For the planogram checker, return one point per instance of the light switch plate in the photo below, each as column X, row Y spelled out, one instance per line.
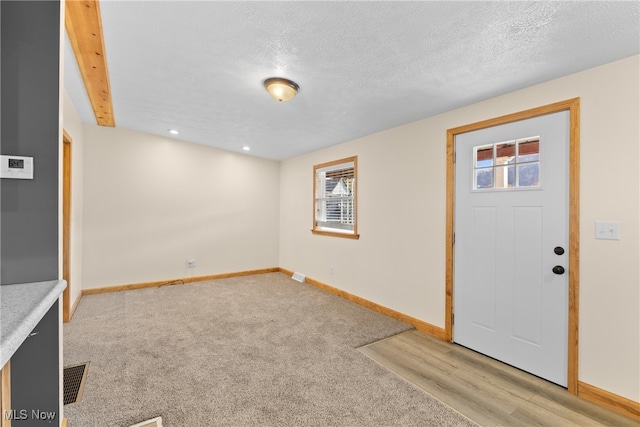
column 608, row 230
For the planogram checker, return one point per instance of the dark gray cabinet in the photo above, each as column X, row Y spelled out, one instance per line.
column 35, row 371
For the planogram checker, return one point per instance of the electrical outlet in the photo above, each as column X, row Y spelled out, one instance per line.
column 331, row 270
column 191, row 262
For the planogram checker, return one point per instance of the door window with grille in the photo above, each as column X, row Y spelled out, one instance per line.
column 507, row 165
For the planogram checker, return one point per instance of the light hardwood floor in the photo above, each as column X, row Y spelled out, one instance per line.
column 487, row 391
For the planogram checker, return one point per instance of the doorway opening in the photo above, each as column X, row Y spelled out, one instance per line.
column 66, row 225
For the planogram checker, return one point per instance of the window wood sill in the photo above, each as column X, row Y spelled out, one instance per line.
column 335, row 234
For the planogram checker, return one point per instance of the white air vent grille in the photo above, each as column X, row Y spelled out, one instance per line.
column 156, row 422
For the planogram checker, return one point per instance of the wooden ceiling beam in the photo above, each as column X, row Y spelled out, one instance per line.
column 84, row 28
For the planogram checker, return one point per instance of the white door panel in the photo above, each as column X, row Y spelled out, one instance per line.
column 508, row 303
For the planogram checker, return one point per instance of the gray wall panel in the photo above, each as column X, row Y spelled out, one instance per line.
column 30, row 36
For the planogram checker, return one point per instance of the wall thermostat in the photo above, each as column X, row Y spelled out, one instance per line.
column 16, row 167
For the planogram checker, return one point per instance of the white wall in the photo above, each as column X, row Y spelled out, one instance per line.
column 399, row 261
column 73, row 125
column 151, row 202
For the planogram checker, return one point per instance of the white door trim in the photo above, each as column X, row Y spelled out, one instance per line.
column 573, row 106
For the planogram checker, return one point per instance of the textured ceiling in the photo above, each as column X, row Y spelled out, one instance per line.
column 362, row 67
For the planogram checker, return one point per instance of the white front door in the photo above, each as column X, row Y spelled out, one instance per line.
column 511, row 243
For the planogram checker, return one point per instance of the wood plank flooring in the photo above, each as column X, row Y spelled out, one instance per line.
column 487, row 391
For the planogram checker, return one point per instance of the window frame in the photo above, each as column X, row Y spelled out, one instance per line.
column 348, row 234
column 517, row 165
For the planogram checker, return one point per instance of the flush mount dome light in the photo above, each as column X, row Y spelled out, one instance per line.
column 281, row 89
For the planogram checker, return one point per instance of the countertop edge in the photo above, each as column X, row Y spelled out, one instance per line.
column 16, row 337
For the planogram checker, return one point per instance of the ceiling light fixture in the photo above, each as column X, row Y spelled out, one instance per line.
column 281, row 89
column 246, row 148
column 173, row 132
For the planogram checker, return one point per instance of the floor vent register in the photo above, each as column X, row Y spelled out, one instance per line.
column 74, row 379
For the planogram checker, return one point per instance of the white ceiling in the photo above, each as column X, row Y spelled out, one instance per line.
column 362, row 67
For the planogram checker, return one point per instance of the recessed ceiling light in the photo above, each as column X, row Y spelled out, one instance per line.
column 246, row 148
column 173, row 132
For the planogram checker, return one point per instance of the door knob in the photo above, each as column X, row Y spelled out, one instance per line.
column 558, row 269
column 558, row 250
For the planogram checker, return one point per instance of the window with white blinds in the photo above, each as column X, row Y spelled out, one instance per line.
column 335, row 198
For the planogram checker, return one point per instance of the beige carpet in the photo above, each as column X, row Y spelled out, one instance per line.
column 258, row 350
